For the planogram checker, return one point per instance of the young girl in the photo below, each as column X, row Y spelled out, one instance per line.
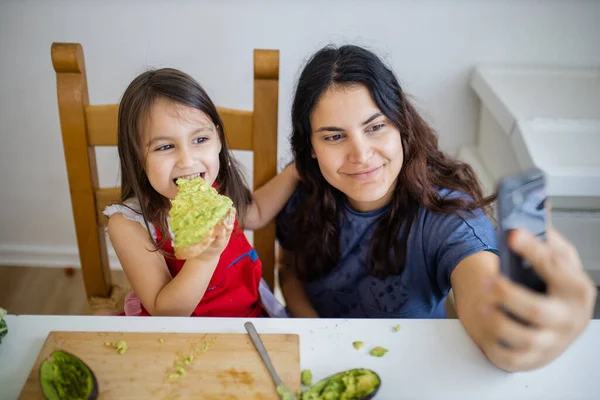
column 168, row 129
column 384, row 223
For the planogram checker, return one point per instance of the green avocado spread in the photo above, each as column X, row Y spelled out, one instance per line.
column 196, row 209
column 347, row 385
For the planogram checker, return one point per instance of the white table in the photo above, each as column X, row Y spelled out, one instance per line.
column 427, row 359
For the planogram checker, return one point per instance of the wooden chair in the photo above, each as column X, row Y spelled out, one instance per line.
column 86, row 126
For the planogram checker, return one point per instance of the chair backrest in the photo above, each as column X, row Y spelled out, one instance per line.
column 86, row 126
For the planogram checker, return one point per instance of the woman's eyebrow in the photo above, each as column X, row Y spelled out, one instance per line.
column 372, row 117
column 329, row 129
column 336, row 129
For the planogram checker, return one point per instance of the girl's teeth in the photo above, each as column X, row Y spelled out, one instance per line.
column 192, row 176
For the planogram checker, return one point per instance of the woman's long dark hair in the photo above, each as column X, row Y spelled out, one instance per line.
column 316, row 223
column 134, row 109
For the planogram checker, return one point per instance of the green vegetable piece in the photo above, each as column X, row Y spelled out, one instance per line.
column 161, row 340
column 65, row 377
column 378, row 351
column 396, row 328
column 306, row 377
column 358, row 345
column 181, row 371
column 3, row 326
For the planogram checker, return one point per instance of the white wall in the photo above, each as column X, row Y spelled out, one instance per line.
column 432, row 46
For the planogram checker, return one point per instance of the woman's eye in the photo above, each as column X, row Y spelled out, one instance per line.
column 375, row 128
column 333, row 138
column 165, row 147
column 200, row 139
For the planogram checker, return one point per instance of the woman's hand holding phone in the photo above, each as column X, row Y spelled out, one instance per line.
column 552, row 320
column 543, row 300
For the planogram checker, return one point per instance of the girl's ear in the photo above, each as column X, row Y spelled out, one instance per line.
column 312, row 153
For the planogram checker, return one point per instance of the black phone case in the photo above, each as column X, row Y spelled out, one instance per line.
column 516, row 194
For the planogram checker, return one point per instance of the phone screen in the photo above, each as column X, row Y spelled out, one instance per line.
column 521, row 204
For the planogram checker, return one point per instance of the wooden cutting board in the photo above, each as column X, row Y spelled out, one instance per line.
column 229, row 368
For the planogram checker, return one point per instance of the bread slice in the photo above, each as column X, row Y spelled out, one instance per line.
column 198, row 215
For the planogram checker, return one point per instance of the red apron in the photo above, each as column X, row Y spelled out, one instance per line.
column 233, row 288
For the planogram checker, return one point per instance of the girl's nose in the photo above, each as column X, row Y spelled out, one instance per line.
column 185, row 158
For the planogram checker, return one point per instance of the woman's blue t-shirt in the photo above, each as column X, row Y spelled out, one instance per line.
column 436, row 244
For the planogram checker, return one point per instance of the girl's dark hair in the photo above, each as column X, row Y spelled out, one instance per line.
column 316, row 223
column 134, row 110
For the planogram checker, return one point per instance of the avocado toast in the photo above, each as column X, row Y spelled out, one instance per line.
column 198, row 215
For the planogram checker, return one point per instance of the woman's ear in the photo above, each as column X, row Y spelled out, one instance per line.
column 312, row 153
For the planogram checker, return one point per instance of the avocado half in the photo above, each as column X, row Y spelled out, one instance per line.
column 353, row 384
column 65, row 377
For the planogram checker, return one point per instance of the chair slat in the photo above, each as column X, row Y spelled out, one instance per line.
column 101, row 122
column 238, row 128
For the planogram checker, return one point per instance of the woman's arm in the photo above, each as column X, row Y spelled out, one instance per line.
column 296, row 300
column 553, row 321
column 149, row 275
column 269, row 199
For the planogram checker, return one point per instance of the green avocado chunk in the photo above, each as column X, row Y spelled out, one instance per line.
column 65, row 377
column 378, row 351
column 306, row 377
column 348, row 385
column 196, row 209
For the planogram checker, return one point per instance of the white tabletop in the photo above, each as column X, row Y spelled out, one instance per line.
column 427, row 359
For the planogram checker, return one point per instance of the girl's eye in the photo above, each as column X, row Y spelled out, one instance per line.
column 375, row 128
column 200, row 139
column 333, row 138
column 165, row 147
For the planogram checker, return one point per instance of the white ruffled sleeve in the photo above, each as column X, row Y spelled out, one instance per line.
column 130, row 210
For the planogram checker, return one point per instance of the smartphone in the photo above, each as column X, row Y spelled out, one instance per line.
column 521, row 204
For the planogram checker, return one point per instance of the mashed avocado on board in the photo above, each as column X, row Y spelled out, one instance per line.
column 197, row 215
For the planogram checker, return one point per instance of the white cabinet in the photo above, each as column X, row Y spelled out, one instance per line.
column 548, row 118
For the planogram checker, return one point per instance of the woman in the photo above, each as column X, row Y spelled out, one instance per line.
column 385, row 224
